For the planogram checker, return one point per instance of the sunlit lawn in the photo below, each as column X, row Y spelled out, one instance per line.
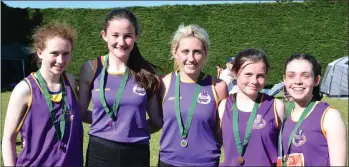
column 339, row 104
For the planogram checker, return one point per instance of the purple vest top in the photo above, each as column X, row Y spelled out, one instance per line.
column 309, row 138
column 262, row 147
column 130, row 123
column 39, row 134
column 203, row 148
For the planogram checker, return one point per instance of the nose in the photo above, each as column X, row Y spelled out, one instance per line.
column 59, row 59
column 253, row 80
column 298, row 80
column 190, row 57
column 121, row 41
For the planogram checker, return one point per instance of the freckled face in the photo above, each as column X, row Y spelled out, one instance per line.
column 56, row 55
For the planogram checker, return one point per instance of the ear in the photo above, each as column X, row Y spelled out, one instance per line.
column 174, row 53
column 317, row 80
column 39, row 53
column 104, row 35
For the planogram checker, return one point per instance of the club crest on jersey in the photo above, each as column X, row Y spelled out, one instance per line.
column 258, row 122
column 139, row 90
column 204, row 97
column 299, row 138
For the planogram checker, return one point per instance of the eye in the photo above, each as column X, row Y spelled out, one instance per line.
column 65, row 54
column 306, row 76
column 185, row 51
column 54, row 53
column 116, row 35
column 248, row 74
column 260, row 76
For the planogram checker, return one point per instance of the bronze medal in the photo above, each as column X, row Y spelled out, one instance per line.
column 184, row 143
column 241, row 160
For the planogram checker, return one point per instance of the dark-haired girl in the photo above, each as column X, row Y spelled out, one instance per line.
column 122, row 85
column 314, row 133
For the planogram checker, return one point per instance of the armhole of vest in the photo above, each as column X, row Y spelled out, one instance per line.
column 73, row 89
column 214, row 91
column 224, row 104
column 168, row 87
column 28, row 106
column 277, row 120
column 95, row 65
column 322, row 121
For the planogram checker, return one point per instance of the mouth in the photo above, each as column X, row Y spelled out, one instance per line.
column 191, row 66
column 121, row 49
column 59, row 67
column 298, row 90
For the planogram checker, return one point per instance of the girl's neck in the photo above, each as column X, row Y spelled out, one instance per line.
column 242, row 97
column 116, row 64
column 49, row 77
column 189, row 77
column 300, row 105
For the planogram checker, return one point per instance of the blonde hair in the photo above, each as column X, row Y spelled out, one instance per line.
column 190, row 30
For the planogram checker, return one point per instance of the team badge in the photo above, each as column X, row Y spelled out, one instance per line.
column 299, row 139
column 204, row 97
column 258, row 122
column 139, row 90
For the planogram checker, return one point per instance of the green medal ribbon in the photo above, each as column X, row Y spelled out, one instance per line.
column 300, row 121
column 184, row 132
column 59, row 130
column 235, row 111
column 118, row 94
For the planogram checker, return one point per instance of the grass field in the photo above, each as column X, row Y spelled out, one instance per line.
column 339, row 104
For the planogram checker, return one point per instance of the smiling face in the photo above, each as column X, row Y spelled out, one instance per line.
column 190, row 55
column 56, row 55
column 299, row 79
column 120, row 36
column 251, row 77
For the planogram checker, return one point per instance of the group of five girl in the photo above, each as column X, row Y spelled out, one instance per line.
column 253, row 127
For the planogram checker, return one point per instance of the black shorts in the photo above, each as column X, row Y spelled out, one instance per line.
column 102, row 152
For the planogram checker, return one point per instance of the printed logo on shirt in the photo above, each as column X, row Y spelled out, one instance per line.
column 299, row 139
column 258, row 122
column 105, row 89
column 204, row 97
column 173, row 98
column 139, row 90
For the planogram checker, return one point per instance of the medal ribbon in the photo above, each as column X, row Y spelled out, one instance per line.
column 184, row 132
column 235, row 111
column 300, row 121
column 118, row 94
column 59, row 130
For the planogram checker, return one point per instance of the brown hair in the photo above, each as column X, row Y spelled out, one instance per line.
column 251, row 54
column 49, row 31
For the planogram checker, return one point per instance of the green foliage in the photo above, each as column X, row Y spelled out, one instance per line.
column 280, row 29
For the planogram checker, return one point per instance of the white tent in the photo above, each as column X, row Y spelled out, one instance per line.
column 335, row 80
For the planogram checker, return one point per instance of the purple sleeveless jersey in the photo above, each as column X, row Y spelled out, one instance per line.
column 262, row 147
column 130, row 123
column 39, row 134
column 203, row 148
column 309, row 138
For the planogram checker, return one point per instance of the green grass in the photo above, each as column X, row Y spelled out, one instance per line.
column 339, row 104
